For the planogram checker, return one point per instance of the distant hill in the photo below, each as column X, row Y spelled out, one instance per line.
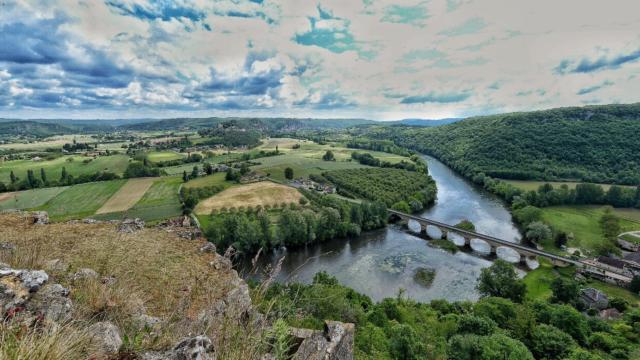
column 31, row 129
column 591, row 143
column 264, row 124
column 424, row 122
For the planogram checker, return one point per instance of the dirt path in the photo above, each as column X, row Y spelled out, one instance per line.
column 127, row 196
column 5, row 196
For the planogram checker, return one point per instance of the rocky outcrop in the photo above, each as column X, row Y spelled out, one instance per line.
column 194, row 348
column 26, row 296
column 84, row 274
column 130, row 225
column 334, row 343
column 40, row 217
column 105, row 336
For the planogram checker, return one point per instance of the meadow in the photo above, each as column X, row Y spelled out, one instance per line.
column 157, row 156
column 75, row 165
column 527, row 185
column 127, row 196
column 263, row 194
column 29, row 199
column 81, row 200
column 583, row 222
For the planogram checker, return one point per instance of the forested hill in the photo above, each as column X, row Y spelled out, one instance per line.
column 31, row 129
column 593, row 143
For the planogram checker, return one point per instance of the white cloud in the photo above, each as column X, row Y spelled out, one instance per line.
column 461, row 47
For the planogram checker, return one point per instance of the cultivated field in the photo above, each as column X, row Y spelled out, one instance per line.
column 159, row 202
column 28, row 199
column 81, row 200
column 583, row 222
column 534, row 185
column 157, row 156
column 263, row 193
column 53, row 168
column 210, row 180
column 127, row 196
column 51, row 142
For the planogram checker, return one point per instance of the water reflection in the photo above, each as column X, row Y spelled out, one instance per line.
column 382, row 262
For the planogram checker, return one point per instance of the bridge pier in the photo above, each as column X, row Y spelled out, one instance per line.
column 467, row 242
column 423, row 228
column 494, row 250
column 445, row 234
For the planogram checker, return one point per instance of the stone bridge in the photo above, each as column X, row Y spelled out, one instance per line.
column 525, row 252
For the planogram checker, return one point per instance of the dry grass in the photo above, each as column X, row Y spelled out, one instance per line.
column 5, row 196
column 51, row 342
column 155, row 273
column 127, row 196
column 261, row 193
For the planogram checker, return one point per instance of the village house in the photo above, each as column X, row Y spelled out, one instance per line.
column 594, row 299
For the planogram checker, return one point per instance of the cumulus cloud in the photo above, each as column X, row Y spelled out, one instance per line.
column 381, row 59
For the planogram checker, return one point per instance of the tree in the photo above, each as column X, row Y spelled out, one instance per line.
column 405, row 343
column 14, row 178
column 466, row 225
column 402, row 206
column 527, row 215
column 549, row 342
column 328, row 156
column 3, row 187
column 208, row 168
column 537, row 232
column 288, row 173
column 501, row 280
column 64, row 175
column 195, row 172
column 565, row 291
column 244, row 169
column 43, row 175
column 185, row 177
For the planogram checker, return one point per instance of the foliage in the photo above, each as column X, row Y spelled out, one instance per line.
column 328, row 156
column 140, row 169
column 501, row 280
column 549, row 342
column 288, row 173
column 565, row 290
column 589, row 143
column 367, row 159
column 466, row 225
column 389, row 186
column 538, row 232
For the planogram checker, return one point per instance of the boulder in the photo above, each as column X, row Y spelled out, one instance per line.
column 84, row 274
column 40, row 217
column 234, row 306
column 334, row 343
column 131, row 225
column 51, row 303
column 194, row 348
column 105, row 336
column 56, row 265
column 7, row 246
column 208, row 247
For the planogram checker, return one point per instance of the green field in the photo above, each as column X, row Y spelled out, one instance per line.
column 75, row 167
column 538, row 283
column 55, row 142
column 160, row 202
column 527, row 185
column 583, row 222
column 81, row 200
column 157, row 156
column 29, row 199
column 210, row 180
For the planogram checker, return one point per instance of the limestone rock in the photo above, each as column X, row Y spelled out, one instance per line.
column 40, row 217
column 84, row 274
column 195, row 348
column 235, row 305
column 7, row 246
column 131, row 225
column 208, row 247
column 106, row 337
column 334, row 343
column 51, row 302
column 56, row 265
column 144, row 321
column 4, row 266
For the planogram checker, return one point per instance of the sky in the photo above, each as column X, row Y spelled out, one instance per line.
column 375, row 59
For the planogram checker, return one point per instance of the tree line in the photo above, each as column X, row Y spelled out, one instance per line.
column 317, row 219
column 403, row 190
column 503, row 324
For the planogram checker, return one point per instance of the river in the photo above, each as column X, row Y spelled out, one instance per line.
column 380, row 263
